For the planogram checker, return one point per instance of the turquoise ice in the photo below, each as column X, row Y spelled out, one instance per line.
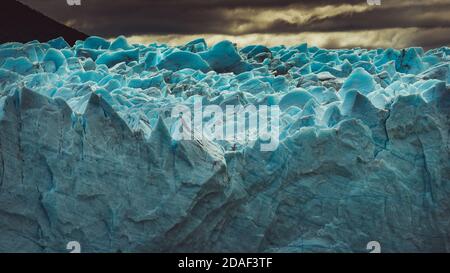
column 86, row 152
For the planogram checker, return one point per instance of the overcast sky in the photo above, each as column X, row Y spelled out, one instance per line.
column 324, row 23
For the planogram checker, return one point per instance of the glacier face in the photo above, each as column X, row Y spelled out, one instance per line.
column 87, row 155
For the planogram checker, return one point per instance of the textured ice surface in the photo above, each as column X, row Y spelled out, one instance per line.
column 86, row 154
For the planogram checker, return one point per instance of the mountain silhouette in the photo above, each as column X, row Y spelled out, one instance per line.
column 20, row 23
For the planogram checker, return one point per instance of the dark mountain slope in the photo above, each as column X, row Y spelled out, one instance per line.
column 20, row 23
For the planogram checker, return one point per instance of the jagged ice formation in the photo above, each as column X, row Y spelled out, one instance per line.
column 86, row 152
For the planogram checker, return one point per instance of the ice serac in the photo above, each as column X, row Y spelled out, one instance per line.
column 181, row 59
column 55, row 175
column 87, row 154
column 223, row 57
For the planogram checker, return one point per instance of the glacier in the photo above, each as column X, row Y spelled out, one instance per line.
column 87, row 154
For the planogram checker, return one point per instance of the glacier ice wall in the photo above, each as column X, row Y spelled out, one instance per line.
column 86, row 154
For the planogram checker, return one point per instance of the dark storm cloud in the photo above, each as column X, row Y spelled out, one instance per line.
column 380, row 18
column 432, row 38
column 110, row 18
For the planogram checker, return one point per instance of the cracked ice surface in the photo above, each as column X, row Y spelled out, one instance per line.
column 86, row 154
